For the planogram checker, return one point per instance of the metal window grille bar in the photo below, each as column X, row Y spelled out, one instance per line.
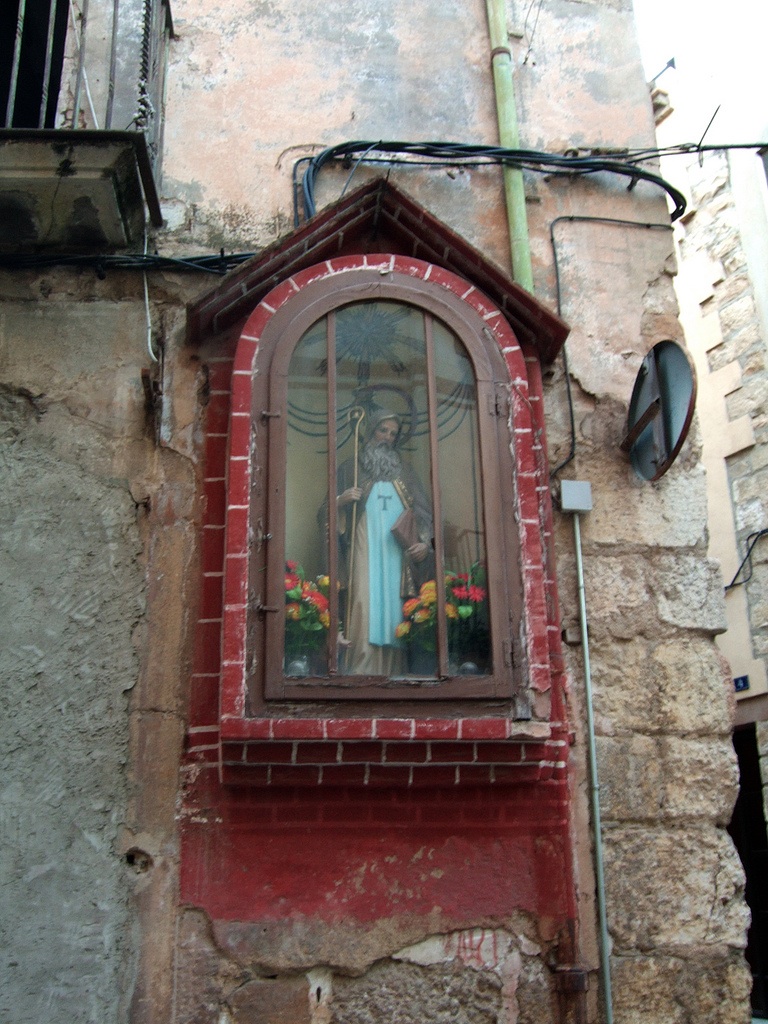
column 112, row 63
column 16, row 63
column 48, row 63
column 80, row 64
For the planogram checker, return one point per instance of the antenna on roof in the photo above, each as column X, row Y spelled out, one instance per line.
column 670, row 64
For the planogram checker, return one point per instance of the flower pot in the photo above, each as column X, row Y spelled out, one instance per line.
column 297, row 666
column 421, row 662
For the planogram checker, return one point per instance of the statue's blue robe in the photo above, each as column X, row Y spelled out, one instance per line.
column 385, row 563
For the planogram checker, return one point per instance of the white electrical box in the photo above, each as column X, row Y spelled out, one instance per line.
column 575, row 496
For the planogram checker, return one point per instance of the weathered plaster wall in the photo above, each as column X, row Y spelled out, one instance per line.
column 480, row 976
column 254, row 86
column 72, row 600
column 86, row 499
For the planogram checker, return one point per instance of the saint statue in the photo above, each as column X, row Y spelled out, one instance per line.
column 376, row 571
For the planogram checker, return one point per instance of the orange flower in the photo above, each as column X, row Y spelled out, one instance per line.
column 402, row 630
column 450, row 611
column 410, row 606
column 325, row 620
column 421, row 615
column 293, row 611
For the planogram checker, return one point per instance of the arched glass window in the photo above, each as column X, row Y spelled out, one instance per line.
column 385, row 550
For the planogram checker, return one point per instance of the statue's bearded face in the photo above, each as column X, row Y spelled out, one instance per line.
column 379, row 459
column 386, row 433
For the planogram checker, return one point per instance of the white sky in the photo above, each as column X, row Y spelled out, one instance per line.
column 719, row 49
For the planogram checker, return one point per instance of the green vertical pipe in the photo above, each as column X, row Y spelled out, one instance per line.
column 506, row 112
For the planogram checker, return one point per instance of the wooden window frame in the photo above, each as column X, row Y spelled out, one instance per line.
column 268, row 688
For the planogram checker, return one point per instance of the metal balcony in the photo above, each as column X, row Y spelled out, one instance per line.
column 81, row 100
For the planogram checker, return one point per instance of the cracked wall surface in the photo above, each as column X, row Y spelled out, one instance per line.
column 479, row 976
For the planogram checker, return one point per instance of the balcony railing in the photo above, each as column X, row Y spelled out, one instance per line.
column 93, row 64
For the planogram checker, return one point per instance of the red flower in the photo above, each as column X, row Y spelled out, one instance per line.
column 476, row 594
column 461, row 593
column 292, row 566
column 318, row 600
column 291, row 580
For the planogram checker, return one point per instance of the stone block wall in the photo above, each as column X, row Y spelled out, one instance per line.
column 736, row 352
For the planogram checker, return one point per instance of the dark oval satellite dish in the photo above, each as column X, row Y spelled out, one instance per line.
column 661, row 410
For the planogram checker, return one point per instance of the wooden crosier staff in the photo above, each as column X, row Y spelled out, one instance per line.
column 358, row 414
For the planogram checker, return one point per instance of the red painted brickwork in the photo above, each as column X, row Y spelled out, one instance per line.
column 324, row 819
column 220, row 641
column 410, row 763
column 318, row 821
column 300, row 852
column 249, row 750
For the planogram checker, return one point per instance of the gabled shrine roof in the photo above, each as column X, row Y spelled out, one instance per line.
column 376, row 218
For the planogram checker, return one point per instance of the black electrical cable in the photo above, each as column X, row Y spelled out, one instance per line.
column 619, row 162
column 449, row 154
column 297, row 187
column 752, row 539
column 218, row 263
column 623, row 162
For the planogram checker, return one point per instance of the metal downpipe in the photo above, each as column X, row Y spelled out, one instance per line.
column 506, row 113
column 522, row 271
column 594, row 788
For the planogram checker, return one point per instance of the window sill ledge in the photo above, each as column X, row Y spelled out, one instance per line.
column 405, row 752
column 466, row 729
